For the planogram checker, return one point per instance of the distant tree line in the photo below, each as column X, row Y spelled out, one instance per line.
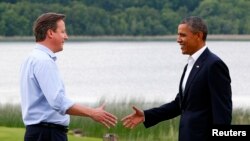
column 126, row 17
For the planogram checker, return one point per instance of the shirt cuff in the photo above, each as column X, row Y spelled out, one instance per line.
column 66, row 104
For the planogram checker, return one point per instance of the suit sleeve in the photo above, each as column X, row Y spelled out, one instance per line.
column 221, row 94
column 164, row 112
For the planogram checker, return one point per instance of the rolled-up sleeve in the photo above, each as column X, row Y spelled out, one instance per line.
column 52, row 86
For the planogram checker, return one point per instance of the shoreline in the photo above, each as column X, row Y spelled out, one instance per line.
column 129, row 38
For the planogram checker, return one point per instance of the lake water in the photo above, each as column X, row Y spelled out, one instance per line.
column 124, row 71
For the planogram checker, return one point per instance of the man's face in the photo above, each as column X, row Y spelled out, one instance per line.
column 187, row 40
column 59, row 36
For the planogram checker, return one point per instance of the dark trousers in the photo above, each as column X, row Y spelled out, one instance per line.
column 41, row 133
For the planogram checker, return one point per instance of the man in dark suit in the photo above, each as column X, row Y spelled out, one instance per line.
column 204, row 98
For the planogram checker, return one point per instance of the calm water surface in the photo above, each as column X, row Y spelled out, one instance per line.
column 124, row 71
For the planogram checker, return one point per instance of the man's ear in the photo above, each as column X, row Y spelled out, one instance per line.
column 50, row 33
column 200, row 35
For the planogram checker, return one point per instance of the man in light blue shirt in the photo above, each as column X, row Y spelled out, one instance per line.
column 45, row 107
column 42, row 89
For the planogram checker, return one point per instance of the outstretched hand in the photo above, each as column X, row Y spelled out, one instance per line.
column 105, row 118
column 133, row 119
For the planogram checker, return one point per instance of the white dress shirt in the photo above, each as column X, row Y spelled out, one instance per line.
column 191, row 60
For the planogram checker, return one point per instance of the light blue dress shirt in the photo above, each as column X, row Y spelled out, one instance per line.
column 42, row 90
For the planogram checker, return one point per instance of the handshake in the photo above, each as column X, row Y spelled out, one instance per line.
column 110, row 120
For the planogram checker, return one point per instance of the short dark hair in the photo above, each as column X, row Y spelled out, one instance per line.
column 196, row 25
column 45, row 22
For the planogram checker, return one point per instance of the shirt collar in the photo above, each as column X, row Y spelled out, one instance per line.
column 197, row 54
column 46, row 50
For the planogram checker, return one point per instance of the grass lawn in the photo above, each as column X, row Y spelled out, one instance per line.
column 16, row 134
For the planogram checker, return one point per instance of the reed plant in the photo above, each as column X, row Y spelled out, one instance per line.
column 168, row 130
column 10, row 116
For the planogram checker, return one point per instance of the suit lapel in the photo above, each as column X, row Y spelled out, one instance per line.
column 180, row 85
column 196, row 68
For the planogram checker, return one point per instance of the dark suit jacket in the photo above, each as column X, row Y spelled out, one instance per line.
column 207, row 100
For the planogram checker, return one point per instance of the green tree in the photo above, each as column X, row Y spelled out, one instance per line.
column 170, row 20
column 14, row 24
column 125, row 17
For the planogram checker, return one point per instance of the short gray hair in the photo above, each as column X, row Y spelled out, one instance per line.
column 196, row 25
